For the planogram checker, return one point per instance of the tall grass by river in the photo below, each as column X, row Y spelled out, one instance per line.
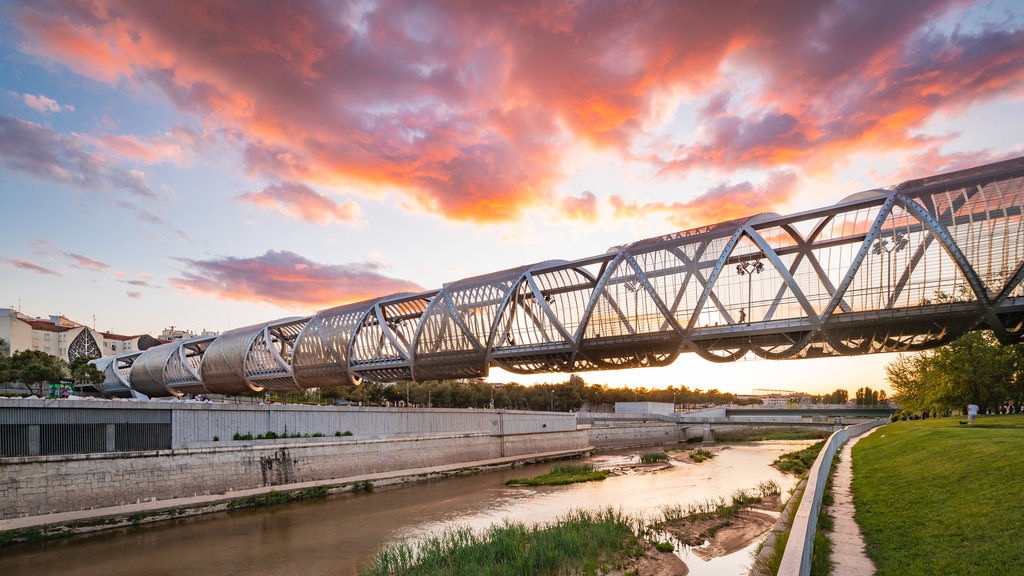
column 940, row 497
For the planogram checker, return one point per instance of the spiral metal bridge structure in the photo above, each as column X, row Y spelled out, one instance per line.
column 900, row 269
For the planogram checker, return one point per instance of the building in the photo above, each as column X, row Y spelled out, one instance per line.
column 61, row 337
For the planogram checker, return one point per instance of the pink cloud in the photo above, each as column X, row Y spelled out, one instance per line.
column 718, row 204
column 66, row 159
column 467, row 108
column 41, row 103
column 302, row 202
column 286, row 278
column 86, row 262
column 582, row 207
column 133, row 294
column 31, row 266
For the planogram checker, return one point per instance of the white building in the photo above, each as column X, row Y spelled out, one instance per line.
column 60, row 337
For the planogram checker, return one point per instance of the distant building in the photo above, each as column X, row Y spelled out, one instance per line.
column 61, row 337
column 172, row 333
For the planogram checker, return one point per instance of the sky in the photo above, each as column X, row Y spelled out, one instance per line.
column 216, row 164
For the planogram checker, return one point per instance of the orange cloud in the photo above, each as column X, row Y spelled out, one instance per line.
column 582, row 207
column 719, row 204
column 302, row 202
column 468, row 108
column 287, row 279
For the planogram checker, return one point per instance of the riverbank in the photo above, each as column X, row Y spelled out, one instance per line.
column 940, row 496
column 63, row 524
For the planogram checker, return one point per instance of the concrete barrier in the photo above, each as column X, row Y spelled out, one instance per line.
column 796, row 559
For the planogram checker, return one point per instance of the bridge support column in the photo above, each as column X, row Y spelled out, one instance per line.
column 709, row 435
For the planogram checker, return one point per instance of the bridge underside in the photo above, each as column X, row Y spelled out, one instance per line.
column 900, row 269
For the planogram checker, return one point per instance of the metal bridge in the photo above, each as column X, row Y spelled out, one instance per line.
column 900, row 269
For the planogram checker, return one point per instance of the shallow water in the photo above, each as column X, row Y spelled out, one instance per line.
column 337, row 535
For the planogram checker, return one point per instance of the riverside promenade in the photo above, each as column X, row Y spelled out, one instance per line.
column 848, row 552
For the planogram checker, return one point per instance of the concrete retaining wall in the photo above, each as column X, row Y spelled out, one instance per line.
column 623, row 435
column 46, row 484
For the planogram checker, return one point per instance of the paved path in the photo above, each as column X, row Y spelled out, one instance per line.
column 847, row 542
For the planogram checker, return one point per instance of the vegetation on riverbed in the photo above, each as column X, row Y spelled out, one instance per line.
column 579, row 543
column 586, row 542
column 799, row 462
column 652, row 457
column 562, row 474
column 773, row 434
column 940, row 497
column 274, row 497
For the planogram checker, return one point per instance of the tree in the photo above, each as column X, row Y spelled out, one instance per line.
column 975, row 368
column 34, row 368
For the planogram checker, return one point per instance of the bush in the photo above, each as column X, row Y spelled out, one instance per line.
column 652, row 457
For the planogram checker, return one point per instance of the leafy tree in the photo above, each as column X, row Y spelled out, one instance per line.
column 35, row 368
column 5, row 348
column 87, row 373
column 973, row 369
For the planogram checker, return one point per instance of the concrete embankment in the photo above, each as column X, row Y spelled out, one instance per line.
column 81, row 492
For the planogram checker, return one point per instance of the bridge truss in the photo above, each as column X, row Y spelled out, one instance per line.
column 902, row 269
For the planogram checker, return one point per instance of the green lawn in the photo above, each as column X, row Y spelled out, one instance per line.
column 938, row 497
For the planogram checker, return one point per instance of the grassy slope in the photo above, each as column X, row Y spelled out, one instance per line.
column 937, row 497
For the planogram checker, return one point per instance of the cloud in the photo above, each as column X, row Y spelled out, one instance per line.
column 300, row 201
column 471, row 109
column 718, row 204
column 133, row 294
column 29, row 148
column 288, row 279
column 43, row 104
column 582, row 207
column 31, row 266
column 86, row 262
column 148, row 217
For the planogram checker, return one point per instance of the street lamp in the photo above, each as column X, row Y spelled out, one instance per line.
column 634, row 287
column 748, row 268
column 885, row 246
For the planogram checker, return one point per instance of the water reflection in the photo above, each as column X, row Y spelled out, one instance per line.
column 338, row 535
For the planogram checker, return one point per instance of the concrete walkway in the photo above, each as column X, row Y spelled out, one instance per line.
column 847, row 542
column 92, row 519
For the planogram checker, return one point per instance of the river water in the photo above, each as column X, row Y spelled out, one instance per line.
column 338, row 535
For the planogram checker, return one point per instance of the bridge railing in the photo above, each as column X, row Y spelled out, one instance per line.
column 796, row 560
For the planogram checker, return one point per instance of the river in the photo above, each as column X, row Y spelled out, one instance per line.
column 337, row 535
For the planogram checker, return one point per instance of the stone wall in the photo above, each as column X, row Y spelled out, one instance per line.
column 46, row 484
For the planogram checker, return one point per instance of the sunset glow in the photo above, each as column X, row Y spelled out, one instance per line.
column 211, row 165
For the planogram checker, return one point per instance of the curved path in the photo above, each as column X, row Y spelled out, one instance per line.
column 848, row 554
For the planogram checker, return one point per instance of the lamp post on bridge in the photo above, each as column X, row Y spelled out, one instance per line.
column 748, row 268
column 886, row 246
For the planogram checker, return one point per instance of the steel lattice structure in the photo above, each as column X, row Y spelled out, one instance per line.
column 903, row 269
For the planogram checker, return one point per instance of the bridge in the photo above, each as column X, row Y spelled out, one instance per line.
column 904, row 268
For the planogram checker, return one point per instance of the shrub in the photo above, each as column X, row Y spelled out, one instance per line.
column 652, row 457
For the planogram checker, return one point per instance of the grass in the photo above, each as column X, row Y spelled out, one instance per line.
column 784, row 434
column 699, row 455
column 799, row 462
column 274, row 497
column 937, row 497
column 562, row 474
column 583, row 542
column 652, row 457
